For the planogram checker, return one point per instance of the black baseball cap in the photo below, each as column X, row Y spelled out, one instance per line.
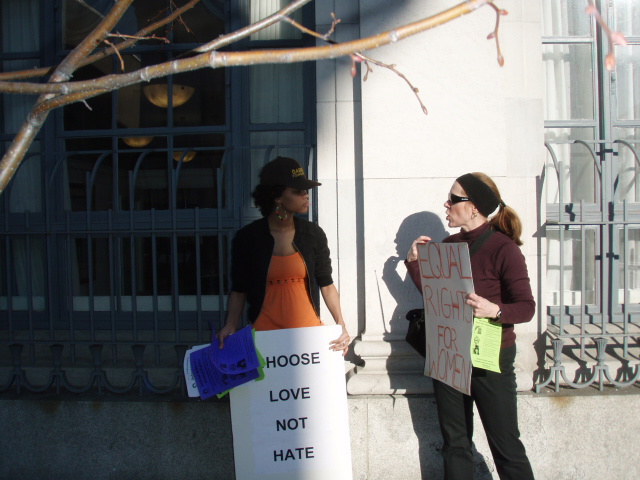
column 286, row 171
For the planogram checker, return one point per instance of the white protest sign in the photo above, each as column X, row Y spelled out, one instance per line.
column 445, row 269
column 294, row 423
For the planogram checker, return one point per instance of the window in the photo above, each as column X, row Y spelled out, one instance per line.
column 591, row 176
column 116, row 230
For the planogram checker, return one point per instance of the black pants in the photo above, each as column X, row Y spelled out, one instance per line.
column 495, row 397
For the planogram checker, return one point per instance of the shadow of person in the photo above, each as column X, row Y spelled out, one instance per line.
column 406, row 366
column 400, row 286
column 422, row 406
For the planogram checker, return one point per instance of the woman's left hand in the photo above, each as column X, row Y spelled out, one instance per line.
column 341, row 343
column 482, row 308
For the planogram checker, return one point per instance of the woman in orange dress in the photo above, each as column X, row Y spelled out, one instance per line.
column 281, row 261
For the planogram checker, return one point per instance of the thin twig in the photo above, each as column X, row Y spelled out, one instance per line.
column 117, row 53
column 357, row 57
column 36, row 118
column 137, row 38
column 415, row 90
column 41, row 72
column 245, row 32
column 173, row 4
column 313, row 33
column 335, row 22
column 612, row 36
column 494, row 34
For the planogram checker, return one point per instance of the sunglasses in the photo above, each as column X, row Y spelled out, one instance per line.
column 453, row 199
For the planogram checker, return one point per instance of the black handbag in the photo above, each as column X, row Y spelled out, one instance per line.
column 416, row 336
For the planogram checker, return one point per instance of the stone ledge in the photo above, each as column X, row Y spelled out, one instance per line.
column 388, row 384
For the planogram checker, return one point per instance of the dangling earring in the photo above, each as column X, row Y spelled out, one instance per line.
column 474, row 214
column 285, row 214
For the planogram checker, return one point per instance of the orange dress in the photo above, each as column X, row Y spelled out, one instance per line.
column 286, row 303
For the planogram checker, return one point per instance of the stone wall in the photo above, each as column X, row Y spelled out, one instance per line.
column 393, row 437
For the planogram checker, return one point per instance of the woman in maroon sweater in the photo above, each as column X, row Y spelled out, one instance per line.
column 502, row 293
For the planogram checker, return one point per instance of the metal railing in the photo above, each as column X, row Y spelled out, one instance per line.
column 594, row 320
column 103, row 304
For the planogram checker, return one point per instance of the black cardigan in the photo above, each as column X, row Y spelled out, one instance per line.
column 251, row 251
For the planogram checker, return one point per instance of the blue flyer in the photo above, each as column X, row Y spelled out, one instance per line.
column 216, row 371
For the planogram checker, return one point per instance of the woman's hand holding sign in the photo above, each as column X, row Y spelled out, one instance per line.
column 412, row 254
column 482, row 308
column 332, row 300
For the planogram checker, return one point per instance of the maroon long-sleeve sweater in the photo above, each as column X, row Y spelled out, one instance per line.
column 499, row 275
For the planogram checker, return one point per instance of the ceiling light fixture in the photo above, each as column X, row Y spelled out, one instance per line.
column 137, row 142
column 187, row 158
column 159, row 94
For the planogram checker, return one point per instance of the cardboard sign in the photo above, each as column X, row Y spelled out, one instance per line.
column 294, row 423
column 445, row 269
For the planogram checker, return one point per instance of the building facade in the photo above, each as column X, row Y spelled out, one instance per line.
column 113, row 251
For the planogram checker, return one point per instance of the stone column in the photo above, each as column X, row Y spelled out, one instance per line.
column 482, row 117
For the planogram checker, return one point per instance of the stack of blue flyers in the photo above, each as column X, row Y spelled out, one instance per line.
column 215, row 370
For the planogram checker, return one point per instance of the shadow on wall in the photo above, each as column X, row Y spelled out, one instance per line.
column 406, row 297
column 404, row 292
column 393, row 13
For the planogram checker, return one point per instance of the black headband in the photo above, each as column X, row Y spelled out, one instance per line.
column 480, row 194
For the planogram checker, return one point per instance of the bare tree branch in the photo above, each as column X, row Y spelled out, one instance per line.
column 215, row 59
column 494, row 34
column 117, row 53
column 36, row 88
column 233, row 37
column 133, row 37
column 392, row 67
column 36, row 119
column 80, row 91
column 612, row 36
column 358, row 57
column 313, row 33
column 132, row 40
